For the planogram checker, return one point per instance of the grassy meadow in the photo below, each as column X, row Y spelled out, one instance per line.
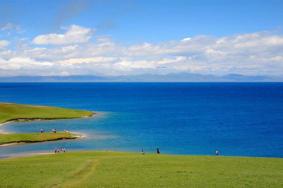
column 113, row 169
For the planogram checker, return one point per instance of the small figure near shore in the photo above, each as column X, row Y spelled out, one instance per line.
column 157, row 151
column 217, row 152
column 142, row 152
column 63, row 150
column 54, row 130
column 41, row 130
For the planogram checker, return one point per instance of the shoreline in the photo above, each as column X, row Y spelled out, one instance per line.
column 9, row 144
column 26, row 155
column 2, row 131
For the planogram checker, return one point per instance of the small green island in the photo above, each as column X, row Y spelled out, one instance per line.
column 10, row 112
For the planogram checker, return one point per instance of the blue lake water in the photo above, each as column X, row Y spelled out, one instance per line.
column 241, row 119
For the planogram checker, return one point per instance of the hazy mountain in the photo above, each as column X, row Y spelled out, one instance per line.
column 182, row 77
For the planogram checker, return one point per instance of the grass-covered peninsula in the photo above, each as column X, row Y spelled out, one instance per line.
column 127, row 170
column 19, row 112
column 34, row 137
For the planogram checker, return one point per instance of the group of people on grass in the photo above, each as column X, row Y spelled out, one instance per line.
column 52, row 130
column 157, row 151
column 60, row 150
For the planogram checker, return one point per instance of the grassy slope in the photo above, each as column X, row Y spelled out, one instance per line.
column 34, row 137
column 110, row 169
column 10, row 111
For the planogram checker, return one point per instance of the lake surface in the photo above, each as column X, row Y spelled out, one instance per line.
column 241, row 119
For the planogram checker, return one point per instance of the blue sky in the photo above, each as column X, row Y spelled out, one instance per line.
column 144, row 26
column 146, row 20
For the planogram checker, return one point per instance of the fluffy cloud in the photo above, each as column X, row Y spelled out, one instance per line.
column 74, row 34
column 250, row 54
column 23, row 66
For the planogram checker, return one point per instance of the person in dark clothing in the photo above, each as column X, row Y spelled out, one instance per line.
column 217, row 152
column 142, row 151
column 157, row 151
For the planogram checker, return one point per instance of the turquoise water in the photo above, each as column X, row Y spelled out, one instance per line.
column 242, row 119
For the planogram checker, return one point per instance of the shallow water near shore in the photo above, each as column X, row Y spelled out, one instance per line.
column 241, row 119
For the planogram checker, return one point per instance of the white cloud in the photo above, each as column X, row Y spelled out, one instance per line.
column 250, row 54
column 23, row 66
column 74, row 34
column 186, row 39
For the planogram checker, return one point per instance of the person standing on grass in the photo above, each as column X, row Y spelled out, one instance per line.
column 217, row 152
column 157, row 151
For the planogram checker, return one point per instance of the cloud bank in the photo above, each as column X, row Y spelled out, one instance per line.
column 78, row 51
column 74, row 34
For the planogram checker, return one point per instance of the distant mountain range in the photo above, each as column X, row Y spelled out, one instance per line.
column 181, row 77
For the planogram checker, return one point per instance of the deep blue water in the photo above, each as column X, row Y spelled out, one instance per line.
column 242, row 119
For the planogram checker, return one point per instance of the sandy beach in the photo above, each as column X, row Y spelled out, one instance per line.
column 1, row 126
column 27, row 155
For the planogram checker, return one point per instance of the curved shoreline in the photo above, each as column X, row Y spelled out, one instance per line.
column 15, row 120
column 1, row 131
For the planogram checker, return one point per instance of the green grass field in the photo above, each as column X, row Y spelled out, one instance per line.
column 11, row 111
column 133, row 170
column 34, row 137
